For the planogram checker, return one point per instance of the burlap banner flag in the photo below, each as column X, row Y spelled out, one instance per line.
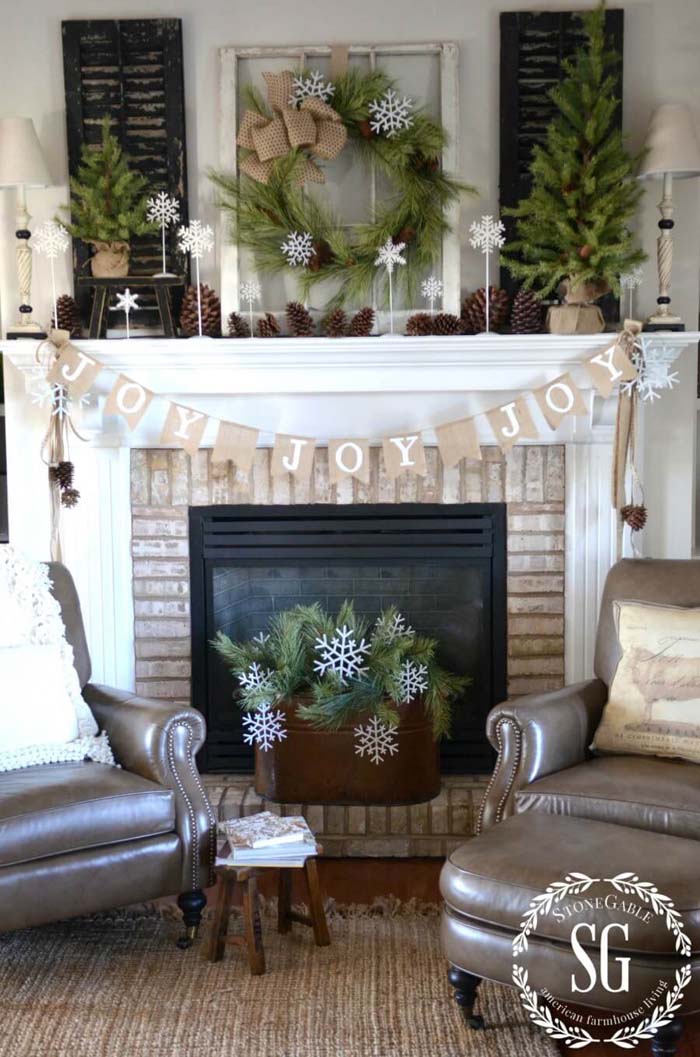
column 404, row 453
column 457, row 441
column 512, row 422
column 293, row 455
column 128, row 399
column 185, row 427
column 75, row 370
column 610, row 367
column 560, row 398
column 236, row 444
column 348, row 458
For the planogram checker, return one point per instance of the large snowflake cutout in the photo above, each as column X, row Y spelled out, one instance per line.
column 390, row 254
column 412, row 681
column 390, row 113
column 487, row 234
column 341, row 655
column 312, row 86
column 197, row 239
column 653, row 359
column 375, row 740
column 51, row 239
column 264, row 727
column 163, row 209
column 298, row 249
column 50, row 394
column 256, row 678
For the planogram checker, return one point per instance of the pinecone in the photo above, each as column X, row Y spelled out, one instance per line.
column 444, row 323
column 335, row 325
column 526, row 314
column 70, row 497
column 67, row 316
column 238, row 327
column 299, row 320
column 62, row 474
column 211, row 312
column 635, row 516
column 474, row 310
column 268, row 327
column 419, row 324
column 362, row 323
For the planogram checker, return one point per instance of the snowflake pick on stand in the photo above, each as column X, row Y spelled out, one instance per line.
column 125, row 303
column 165, row 211
column 265, row 726
column 412, row 681
column 389, row 255
column 653, row 359
column 196, row 239
column 390, row 114
column 311, row 86
column 251, row 292
column 298, row 249
column 431, row 290
column 342, row 655
column 52, row 239
column 376, row 740
column 630, row 281
column 487, row 235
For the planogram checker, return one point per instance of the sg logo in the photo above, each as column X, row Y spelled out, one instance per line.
column 594, row 973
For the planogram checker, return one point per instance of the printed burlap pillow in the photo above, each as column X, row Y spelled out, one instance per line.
column 654, row 703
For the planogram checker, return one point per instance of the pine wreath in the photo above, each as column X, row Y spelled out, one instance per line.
column 265, row 211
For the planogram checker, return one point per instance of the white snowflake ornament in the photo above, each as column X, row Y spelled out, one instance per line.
column 312, row 86
column 251, row 291
column 196, row 239
column 298, row 248
column 390, row 255
column 165, row 211
column 375, row 740
column 342, row 655
column 395, row 628
column 431, row 290
column 51, row 239
column 487, row 235
column 390, row 114
column 629, row 281
column 125, row 303
column 256, row 678
column 412, row 681
column 265, row 726
column 653, row 359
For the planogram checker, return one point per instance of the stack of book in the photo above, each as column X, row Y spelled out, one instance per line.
column 266, row 840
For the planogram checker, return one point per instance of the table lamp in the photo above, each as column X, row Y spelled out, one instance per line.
column 22, row 165
column 672, row 150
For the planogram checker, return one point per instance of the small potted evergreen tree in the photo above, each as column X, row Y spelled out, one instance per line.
column 108, row 205
column 573, row 228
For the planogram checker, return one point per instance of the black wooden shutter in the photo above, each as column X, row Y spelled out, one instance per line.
column 132, row 70
column 533, row 47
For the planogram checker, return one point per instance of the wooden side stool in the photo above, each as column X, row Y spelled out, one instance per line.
column 247, row 876
column 104, row 287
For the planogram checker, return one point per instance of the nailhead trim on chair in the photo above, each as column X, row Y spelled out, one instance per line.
column 210, row 813
column 191, row 811
column 511, row 778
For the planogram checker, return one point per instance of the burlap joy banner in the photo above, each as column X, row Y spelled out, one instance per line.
column 404, row 453
column 457, row 441
column 236, row 444
column 512, row 422
column 73, row 368
column 128, row 399
column 348, row 458
column 293, row 455
column 184, row 427
column 560, row 398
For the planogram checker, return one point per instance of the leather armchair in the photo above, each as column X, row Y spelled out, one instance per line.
column 76, row 838
column 551, row 807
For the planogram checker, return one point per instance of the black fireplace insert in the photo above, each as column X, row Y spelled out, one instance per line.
column 443, row 566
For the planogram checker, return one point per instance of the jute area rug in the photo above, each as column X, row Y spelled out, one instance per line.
column 116, row 986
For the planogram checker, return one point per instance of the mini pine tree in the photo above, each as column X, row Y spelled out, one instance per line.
column 108, row 200
column 574, row 225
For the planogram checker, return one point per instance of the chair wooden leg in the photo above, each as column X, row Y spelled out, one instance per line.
column 318, row 914
column 219, row 927
column 253, row 927
column 466, row 986
column 665, row 1042
column 284, row 901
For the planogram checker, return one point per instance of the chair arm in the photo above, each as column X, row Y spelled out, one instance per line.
column 538, row 735
column 158, row 741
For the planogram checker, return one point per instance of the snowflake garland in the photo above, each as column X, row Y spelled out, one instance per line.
column 265, row 726
column 375, row 740
column 312, row 86
column 256, row 678
column 298, row 249
column 342, row 655
column 412, row 681
column 390, row 113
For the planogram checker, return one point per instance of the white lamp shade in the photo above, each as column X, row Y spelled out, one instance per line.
column 21, row 158
column 672, row 143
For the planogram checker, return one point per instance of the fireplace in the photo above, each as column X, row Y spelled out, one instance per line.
column 444, row 567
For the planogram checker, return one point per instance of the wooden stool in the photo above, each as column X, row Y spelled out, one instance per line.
column 247, row 876
column 103, row 286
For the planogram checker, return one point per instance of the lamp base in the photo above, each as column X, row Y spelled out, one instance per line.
column 26, row 330
column 664, row 322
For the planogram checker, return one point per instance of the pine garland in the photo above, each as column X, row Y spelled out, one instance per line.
column 574, row 225
column 262, row 215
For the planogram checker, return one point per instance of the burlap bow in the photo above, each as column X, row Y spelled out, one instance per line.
column 624, row 444
column 314, row 126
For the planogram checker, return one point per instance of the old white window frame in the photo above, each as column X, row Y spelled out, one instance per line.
column 229, row 57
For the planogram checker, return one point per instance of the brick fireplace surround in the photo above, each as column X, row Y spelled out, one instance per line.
column 530, row 479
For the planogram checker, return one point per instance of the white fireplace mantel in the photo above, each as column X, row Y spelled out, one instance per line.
column 317, row 387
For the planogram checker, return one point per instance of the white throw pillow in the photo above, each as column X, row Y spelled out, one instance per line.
column 35, row 706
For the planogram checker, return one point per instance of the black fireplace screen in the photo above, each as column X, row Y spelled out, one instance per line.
column 444, row 567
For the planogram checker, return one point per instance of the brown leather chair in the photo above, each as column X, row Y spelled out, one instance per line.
column 76, row 838
column 552, row 808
